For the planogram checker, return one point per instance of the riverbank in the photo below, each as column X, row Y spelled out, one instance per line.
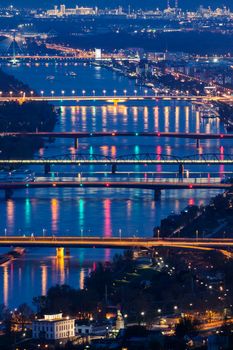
column 28, row 116
column 212, row 220
column 226, row 114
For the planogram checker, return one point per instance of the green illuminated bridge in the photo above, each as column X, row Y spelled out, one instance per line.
column 131, row 159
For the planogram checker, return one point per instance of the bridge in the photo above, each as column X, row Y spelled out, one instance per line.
column 131, row 159
column 47, row 58
column 83, row 134
column 114, row 242
column 111, row 98
column 148, row 184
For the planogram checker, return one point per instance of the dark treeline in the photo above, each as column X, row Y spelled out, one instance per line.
column 28, row 116
column 10, row 83
column 194, row 42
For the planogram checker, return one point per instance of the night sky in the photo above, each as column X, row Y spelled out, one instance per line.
column 192, row 4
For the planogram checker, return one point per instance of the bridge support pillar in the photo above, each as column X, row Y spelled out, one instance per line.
column 198, row 142
column 60, row 252
column 47, row 169
column 181, row 170
column 75, row 142
column 67, row 252
column 114, row 168
column 157, row 195
column 8, row 193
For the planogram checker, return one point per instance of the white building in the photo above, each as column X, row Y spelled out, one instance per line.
column 98, row 54
column 83, row 329
column 53, row 327
column 63, row 11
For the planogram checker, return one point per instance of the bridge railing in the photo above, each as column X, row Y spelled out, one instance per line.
column 145, row 179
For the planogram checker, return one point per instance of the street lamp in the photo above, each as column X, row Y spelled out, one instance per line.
column 83, row 92
column 11, row 93
column 52, row 93
column 73, row 92
column 62, row 92
column 104, row 92
column 125, row 92
column 135, row 92
column 145, row 92
column 93, row 91
column 31, row 92
column 114, row 91
column 42, row 93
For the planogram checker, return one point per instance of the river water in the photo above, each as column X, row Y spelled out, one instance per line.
column 104, row 212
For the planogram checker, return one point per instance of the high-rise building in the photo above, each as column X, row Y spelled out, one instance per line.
column 98, row 54
column 63, row 9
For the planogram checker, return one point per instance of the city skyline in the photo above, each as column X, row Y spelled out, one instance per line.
column 187, row 4
column 116, row 175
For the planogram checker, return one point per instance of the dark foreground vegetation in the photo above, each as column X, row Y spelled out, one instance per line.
column 214, row 219
column 28, row 116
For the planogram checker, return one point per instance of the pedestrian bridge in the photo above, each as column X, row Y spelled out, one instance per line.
column 143, row 183
column 114, row 242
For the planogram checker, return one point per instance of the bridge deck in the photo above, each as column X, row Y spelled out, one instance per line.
column 115, row 98
column 143, row 184
column 80, row 134
column 102, row 242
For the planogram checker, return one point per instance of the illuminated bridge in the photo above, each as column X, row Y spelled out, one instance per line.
column 155, row 185
column 114, row 242
column 83, row 134
column 131, row 159
column 113, row 98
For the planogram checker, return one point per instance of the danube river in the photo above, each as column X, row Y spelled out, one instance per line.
column 105, row 212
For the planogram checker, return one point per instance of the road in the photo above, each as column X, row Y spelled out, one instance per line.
column 114, row 98
column 82, row 134
column 113, row 242
column 142, row 184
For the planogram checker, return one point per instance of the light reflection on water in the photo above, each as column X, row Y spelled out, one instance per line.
column 104, row 212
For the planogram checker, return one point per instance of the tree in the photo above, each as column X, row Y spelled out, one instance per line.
column 25, row 314
column 186, row 326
